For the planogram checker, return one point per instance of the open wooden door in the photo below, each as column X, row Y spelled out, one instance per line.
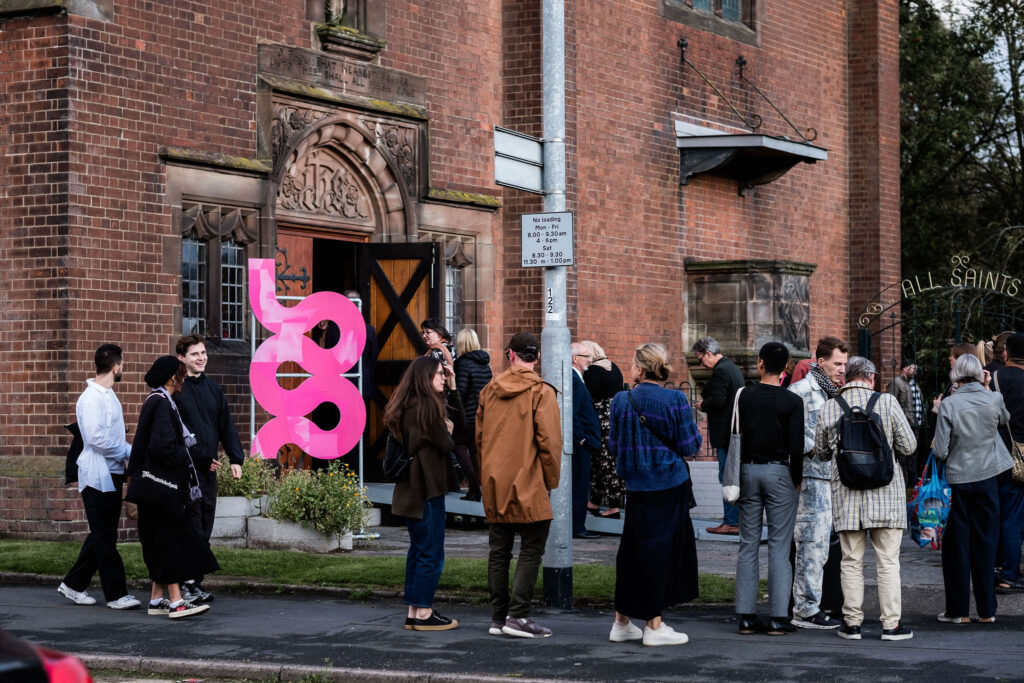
column 402, row 286
column 294, row 278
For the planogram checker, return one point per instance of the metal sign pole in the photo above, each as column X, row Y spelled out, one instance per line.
column 555, row 360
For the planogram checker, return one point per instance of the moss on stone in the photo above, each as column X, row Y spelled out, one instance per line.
column 213, row 159
column 459, row 197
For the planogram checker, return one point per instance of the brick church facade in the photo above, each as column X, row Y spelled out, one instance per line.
column 147, row 149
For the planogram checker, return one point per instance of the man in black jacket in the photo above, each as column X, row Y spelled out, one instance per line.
column 716, row 401
column 204, row 410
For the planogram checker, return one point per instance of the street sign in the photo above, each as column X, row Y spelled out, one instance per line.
column 547, row 240
column 518, row 160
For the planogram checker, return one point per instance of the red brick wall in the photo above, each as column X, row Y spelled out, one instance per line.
column 637, row 225
column 874, row 163
column 85, row 223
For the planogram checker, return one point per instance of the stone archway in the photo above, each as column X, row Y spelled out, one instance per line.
column 342, row 170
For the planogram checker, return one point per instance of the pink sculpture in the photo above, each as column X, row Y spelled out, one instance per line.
column 289, row 343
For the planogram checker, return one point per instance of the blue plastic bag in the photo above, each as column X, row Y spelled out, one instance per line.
column 928, row 507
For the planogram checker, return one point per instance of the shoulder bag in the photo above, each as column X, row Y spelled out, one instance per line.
column 1017, row 474
column 692, row 503
column 396, row 460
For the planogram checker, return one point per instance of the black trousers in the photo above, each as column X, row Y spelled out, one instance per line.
column 969, row 546
column 203, row 512
column 99, row 552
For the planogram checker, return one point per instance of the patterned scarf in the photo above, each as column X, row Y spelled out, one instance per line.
column 827, row 385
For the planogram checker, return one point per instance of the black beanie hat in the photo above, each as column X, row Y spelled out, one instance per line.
column 163, row 369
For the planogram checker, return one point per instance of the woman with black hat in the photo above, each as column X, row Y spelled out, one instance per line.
column 163, row 484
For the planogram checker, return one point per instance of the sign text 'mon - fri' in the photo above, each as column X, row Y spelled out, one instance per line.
column 547, row 239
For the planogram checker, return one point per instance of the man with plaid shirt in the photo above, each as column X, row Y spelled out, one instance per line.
column 882, row 511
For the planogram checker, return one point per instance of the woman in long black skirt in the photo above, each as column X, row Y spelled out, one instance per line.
column 652, row 430
column 163, row 476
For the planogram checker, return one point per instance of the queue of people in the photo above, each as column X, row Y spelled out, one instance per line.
column 631, row 444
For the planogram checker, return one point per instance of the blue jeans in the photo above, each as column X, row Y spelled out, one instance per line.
column 1011, row 528
column 425, row 560
column 730, row 512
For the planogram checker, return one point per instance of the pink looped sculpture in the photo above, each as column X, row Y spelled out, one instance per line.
column 326, row 385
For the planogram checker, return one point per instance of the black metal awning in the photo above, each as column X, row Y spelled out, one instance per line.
column 748, row 158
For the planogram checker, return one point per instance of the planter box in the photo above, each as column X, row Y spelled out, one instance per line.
column 230, row 525
column 276, row 534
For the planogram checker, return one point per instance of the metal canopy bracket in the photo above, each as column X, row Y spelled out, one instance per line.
column 748, row 158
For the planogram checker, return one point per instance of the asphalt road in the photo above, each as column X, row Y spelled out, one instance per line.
column 329, row 633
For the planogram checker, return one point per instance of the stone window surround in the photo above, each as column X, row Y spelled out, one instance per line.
column 189, row 186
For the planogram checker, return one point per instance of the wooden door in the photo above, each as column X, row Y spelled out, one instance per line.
column 402, row 286
column 294, row 262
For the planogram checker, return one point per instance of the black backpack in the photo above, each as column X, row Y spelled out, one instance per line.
column 865, row 457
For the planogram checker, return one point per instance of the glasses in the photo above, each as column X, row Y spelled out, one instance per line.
column 582, row 355
column 441, row 372
column 425, row 333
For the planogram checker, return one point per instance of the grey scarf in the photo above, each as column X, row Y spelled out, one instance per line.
column 827, row 385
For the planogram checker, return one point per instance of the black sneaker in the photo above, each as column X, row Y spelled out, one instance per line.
column 193, row 592
column 819, row 621
column 186, row 609
column 435, row 622
column 849, row 632
column 898, row 633
column 161, row 608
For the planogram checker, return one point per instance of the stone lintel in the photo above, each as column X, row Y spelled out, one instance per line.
column 695, row 267
column 481, row 201
column 316, row 92
column 195, row 157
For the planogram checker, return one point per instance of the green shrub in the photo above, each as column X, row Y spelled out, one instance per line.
column 257, row 473
column 329, row 501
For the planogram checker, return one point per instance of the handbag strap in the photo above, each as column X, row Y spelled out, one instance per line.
column 734, row 424
column 661, row 437
column 1013, row 441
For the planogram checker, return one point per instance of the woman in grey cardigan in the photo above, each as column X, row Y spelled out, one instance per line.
column 966, row 438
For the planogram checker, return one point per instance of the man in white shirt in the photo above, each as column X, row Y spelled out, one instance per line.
column 100, row 480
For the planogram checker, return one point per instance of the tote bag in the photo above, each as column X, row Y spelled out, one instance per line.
column 731, row 475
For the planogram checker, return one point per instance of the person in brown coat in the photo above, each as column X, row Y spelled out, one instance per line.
column 519, row 439
column 416, row 415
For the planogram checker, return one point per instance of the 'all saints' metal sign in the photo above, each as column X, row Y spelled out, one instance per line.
column 963, row 275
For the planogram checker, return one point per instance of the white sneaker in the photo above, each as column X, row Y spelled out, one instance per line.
column 77, row 597
column 623, row 632
column 124, row 602
column 664, row 636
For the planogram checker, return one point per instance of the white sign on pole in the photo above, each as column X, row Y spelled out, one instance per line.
column 547, row 240
column 518, row 160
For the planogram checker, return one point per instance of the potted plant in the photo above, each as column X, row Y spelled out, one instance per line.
column 314, row 510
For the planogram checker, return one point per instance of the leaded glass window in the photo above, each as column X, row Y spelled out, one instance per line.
column 232, row 290
column 731, row 10
column 193, row 285
column 453, row 299
column 216, row 242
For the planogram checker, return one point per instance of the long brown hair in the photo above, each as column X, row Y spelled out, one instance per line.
column 416, row 392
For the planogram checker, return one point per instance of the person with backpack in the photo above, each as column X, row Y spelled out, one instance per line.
column 967, row 438
column 861, row 431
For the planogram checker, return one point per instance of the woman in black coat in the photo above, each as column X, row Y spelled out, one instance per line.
column 472, row 373
column 416, row 415
column 162, row 479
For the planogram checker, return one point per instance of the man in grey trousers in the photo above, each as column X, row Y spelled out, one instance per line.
column 771, row 470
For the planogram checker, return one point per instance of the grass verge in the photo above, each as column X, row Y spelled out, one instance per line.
column 463, row 577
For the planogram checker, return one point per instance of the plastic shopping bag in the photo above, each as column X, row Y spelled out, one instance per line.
column 928, row 507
